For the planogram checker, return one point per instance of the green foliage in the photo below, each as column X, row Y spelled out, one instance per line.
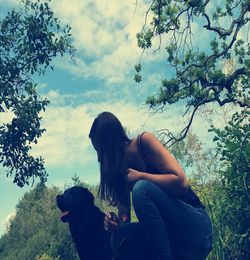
column 233, row 144
column 29, row 39
column 36, row 231
column 212, row 195
column 137, row 77
column 200, row 75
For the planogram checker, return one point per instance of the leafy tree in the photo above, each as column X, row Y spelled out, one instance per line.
column 199, row 76
column 36, row 231
column 233, row 143
column 30, row 37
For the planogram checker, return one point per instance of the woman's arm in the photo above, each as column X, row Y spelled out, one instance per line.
column 112, row 222
column 171, row 177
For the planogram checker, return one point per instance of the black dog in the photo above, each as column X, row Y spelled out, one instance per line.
column 91, row 240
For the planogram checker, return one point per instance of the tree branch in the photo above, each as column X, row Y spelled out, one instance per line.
column 225, row 32
column 184, row 132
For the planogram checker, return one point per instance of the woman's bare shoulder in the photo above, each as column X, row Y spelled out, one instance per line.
column 149, row 139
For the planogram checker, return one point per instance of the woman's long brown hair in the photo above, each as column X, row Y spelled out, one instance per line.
column 109, row 139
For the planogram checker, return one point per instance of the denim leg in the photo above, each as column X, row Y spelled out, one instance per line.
column 149, row 216
column 174, row 229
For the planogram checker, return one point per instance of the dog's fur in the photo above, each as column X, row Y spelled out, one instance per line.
column 85, row 220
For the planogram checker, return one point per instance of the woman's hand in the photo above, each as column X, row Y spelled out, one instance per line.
column 110, row 222
column 133, row 176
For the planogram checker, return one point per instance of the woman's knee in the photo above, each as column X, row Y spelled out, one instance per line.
column 141, row 190
column 140, row 187
column 145, row 191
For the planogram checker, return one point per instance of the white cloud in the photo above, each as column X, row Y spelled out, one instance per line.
column 97, row 26
column 6, row 221
column 66, row 137
column 104, row 33
column 66, row 140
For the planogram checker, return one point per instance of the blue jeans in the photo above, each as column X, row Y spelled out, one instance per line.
column 167, row 229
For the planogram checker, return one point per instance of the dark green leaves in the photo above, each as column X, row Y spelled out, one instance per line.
column 233, row 145
column 29, row 39
column 137, row 76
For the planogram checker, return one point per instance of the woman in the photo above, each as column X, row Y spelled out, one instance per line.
column 173, row 223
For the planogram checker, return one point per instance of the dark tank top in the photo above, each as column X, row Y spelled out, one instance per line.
column 190, row 198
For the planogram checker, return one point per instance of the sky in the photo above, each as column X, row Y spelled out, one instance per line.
column 104, row 34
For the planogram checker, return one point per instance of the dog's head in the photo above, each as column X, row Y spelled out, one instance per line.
column 75, row 203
